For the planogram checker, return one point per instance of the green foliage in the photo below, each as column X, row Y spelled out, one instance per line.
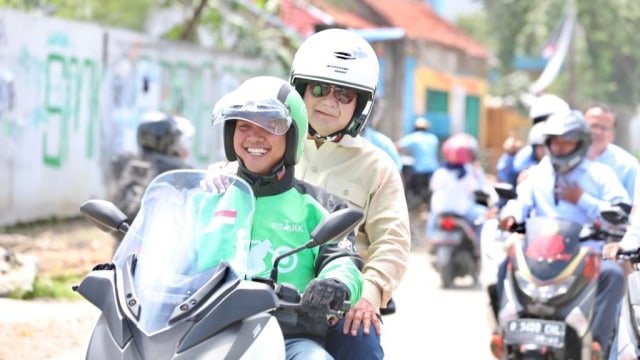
column 123, row 13
column 477, row 26
column 606, row 58
column 54, row 287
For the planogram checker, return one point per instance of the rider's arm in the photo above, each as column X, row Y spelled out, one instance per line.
column 504, row 168
column 520, row 207
column 608, row 187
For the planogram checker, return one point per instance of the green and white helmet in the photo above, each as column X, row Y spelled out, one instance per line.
column 270, row 103
column 340, row 57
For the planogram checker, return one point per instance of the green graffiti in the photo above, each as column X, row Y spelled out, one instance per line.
column 54, row 88
column 58, row 39
column 94, row 88
column 201, row 116
column 65, row 92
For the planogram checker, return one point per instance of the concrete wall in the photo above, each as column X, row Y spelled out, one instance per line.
column 71, row 96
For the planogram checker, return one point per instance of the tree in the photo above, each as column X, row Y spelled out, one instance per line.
column 244, row 26
column 606, row 54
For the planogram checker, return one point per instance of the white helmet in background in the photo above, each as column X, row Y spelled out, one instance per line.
column 340, row 57
column 537, row 135
column 545, row 106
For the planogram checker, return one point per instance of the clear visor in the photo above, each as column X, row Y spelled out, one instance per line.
column 270, row 114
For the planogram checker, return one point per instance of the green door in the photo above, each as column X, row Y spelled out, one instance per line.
column 438, row 112
column 472, row 115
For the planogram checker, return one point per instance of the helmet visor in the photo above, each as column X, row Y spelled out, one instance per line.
column 270, row 114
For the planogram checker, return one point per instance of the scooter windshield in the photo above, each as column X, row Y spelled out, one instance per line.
column 182, row 233
column 550, row 244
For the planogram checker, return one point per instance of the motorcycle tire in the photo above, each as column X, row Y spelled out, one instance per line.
column 447, row 275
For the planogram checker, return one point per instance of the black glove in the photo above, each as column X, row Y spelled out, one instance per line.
column 322, row 295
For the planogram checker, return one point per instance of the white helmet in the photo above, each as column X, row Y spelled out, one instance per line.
column 537, row 134
column 340, row 57
column 569, row 125
column 546, row 105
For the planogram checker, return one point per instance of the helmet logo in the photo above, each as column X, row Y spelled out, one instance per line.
column 344, row 55
column 338, row 68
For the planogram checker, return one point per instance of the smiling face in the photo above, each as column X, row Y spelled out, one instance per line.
column 326, row 114
column 259, row 149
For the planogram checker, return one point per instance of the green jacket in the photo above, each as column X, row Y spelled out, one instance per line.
column 287, row 210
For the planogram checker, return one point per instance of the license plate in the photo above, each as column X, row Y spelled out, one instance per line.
column 446, row 237
column 535, row 331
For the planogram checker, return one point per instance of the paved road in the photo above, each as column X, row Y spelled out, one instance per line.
column 433, row 323
column 430, row 323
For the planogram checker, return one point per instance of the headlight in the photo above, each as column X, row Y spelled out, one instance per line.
column 543, row 292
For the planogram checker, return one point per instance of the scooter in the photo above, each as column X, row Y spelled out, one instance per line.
column 494, row 244
column 549, row 292
column 177, row 287
column 629, row 326
column 454, row 246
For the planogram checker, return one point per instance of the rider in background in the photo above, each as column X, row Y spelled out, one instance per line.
column 455, row 184
column 511, row 164
column 164, row 142
column 264, row 128
column 379, row 139
column 423, row 146
column 602, row 123
column 567, row 185
column 535, row 140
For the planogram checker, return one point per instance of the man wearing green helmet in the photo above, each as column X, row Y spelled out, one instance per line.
column 264, row 126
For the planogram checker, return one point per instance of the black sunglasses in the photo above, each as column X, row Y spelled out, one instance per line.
column 342, row 94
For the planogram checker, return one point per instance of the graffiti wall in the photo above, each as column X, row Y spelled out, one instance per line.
column 72, row 94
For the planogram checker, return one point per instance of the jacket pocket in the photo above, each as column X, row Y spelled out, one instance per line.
column 352, row 192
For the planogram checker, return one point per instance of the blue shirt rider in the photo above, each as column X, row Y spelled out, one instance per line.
column 509, row 165
column 423, row 146
column 602, row 122
column 566, row 185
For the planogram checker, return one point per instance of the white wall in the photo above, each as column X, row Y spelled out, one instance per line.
column 71, row 95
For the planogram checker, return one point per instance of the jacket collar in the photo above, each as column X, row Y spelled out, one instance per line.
column 279, row 181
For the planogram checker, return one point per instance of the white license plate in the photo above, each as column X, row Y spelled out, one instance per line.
column 535, row 331
column 447, row 237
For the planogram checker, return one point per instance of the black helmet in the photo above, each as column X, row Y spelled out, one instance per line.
column 570, row 125
column 165, row 134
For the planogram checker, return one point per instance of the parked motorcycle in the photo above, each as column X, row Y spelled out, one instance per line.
column 549, row 292
column 177, row 287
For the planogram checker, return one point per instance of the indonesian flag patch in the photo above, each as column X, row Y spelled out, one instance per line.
column 225, row 217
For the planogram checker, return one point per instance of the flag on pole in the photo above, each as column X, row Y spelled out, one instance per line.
column 556, row 50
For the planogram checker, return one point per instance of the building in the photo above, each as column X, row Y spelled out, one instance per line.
column 428, row 66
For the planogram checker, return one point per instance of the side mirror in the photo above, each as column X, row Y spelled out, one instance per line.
column 104, row 215
column 616, row 214
column 336, row 225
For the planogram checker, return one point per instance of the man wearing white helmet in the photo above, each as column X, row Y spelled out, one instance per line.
column 336, row 72
column 510, row 165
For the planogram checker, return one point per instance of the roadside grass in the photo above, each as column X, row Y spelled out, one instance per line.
column 50, row 287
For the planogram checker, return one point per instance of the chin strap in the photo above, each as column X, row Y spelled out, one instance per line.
column 335, row 137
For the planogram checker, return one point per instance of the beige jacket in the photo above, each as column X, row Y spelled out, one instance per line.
column 366, row 178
